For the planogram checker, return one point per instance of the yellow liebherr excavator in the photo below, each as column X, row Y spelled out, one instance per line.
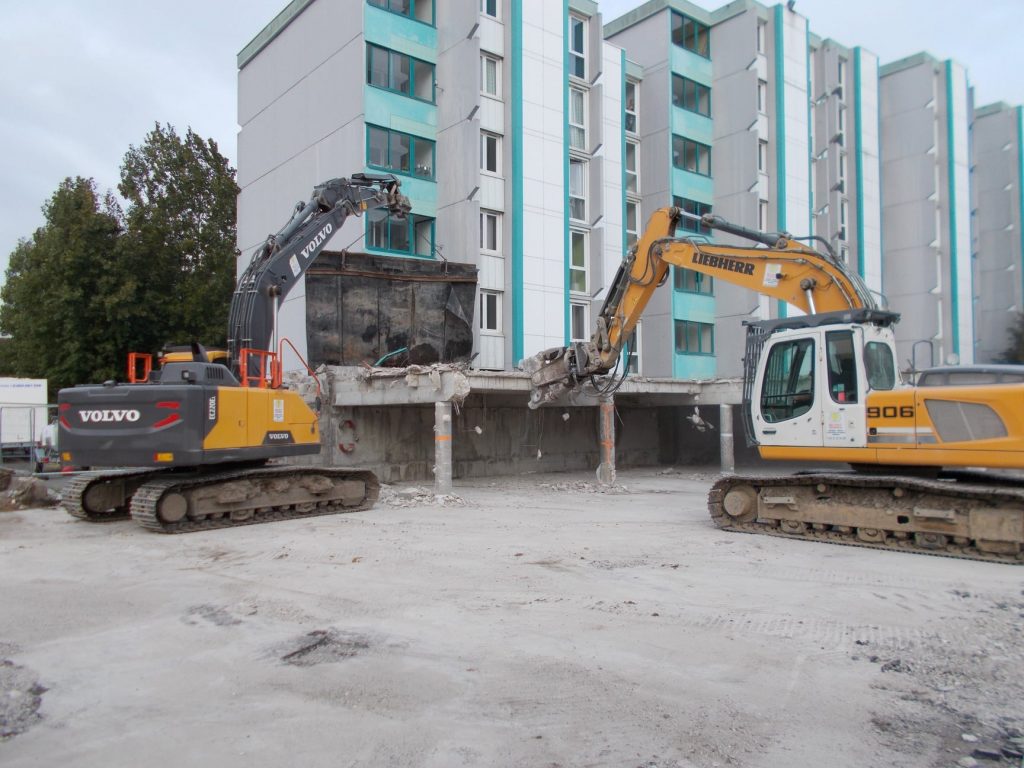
column 825, row 387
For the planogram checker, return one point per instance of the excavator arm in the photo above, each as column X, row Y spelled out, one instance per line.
column 284, row 258
column 778, row 266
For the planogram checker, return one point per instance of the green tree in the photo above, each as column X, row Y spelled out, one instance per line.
column 58, row 292
column 180, row 232
column 1014, row 352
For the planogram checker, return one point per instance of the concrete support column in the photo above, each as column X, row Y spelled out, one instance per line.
column 606, row 431
column 443, row 447
column 726, row 446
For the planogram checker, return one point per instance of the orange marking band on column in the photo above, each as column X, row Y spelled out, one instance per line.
column 441, row 438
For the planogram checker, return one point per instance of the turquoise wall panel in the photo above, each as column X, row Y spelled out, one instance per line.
column 692, row 126
column 400, row 113
column 400, row 33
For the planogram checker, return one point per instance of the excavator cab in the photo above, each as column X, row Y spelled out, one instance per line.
column 808, row 377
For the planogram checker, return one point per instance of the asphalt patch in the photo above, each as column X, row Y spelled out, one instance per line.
column 21, row 695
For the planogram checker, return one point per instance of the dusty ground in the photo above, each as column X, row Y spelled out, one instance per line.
column 538, row 623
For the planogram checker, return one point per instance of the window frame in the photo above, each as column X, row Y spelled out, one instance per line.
column 695, row 91
column 633, row 235
column 495, row 4
column 697, row 208
column 580, row 55
column 584, row 307
column 482, row 326
column 582, row 197
column 762, row 36
column 684, row 325
column 580, row 127
column 484, row 137
column 703, row 285
column 699, row 150
column 762, row 97
column 633, row 174
column 579, row 269
column 762, row 155
column 411, row 222
column 485, row 59
column 414, row 143
column 789, row 380
column 410, row 91
column 762, row 215
column 495, row 216
column 385, row 5
column 682, row 21
column 634, row 345
column 630, row 107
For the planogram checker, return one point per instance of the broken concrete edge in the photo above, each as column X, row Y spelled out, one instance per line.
column 453, row 382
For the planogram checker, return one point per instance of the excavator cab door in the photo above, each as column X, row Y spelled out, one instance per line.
column 786, row 405
column 843, row 411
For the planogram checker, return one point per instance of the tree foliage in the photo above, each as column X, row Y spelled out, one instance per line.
column 1014, row 352
column 180, row 222
column 95, row 282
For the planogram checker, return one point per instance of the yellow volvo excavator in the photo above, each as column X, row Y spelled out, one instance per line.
column 197, row 434
column 825, row 387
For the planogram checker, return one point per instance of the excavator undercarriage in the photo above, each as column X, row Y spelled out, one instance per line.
column 181, row 502
column 973, row 515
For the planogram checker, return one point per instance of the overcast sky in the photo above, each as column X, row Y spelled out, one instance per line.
column 81, row 80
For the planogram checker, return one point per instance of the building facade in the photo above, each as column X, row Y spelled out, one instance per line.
column 506, row 128
column 748, row 115
column 925, row 113
column 533, row 141
column 998, row 177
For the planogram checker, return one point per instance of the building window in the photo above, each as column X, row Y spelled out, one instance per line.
column 694, row 208
column 691, row 35
column 490, row 75
column 490, row 152
column 577, row 190
column 490, row 311
column 762, row 215
column 400, row 73
column 841, row 72
column 421, row 10
column 842, row 167
column 691, row 95
column 762, row 30
column 577, row 47
column 762, row 96
column 490, row 231
column 489, row 8
column 844, row 210
column 399, row 152
column 632, row 178
column 579, row 324
column 632, row 99
column 578, row 258
column 691, row 155
column 413, row 235
column 844, row 253
column 762, row 156
column 577, row 119
column 840, row 137
column 690, row 281
column 632, row 223
column 694, row 338
column 633, row 351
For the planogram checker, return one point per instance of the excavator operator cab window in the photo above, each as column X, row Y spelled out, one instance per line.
column 879, row 365
column 842, row 366
column 788, row 388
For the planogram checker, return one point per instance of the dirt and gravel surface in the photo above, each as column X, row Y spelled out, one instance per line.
column 532, row 621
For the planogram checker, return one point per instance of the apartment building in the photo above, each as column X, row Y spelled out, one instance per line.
column 505, row 121
column 925, row 114
column 748, row 115
column 998, row 178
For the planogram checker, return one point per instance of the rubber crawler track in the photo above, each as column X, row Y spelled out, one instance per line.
column 144, row 502
column 995, row 489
